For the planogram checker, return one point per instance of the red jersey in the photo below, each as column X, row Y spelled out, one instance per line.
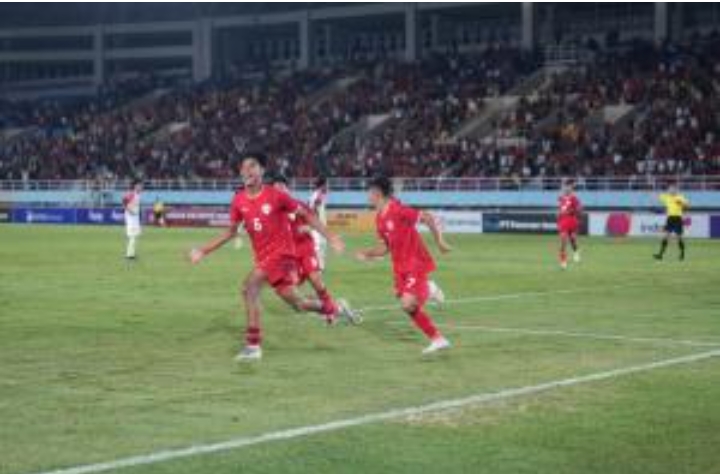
column 396, row 227
column 131, row 204
column 265, row 219
column 130, row 198
column 304, row 244
column 569, row 206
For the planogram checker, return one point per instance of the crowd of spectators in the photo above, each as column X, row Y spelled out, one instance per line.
column 670, row 97
column 308, row 122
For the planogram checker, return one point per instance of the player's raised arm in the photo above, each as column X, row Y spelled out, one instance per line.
column 197, row 254
column 314, row 222
column 429, row 220
column 379, row 251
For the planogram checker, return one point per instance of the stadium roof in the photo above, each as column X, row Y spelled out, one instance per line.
column 67, row 14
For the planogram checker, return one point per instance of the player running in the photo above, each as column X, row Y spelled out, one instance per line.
column 569, row 211
column 412, row 263
column 131, row 206
column 263, row 210
column 318, row 202
column 675, row 206
column 307, row 260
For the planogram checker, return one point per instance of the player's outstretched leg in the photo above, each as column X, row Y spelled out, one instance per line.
column 422, row 321
column 574, row 245
column 310, row 305
column 330, row 305
column 681, row 246
column 663, row 247
column 252, row 286
column 130, row 250
column 563, row 250
column 436, row 293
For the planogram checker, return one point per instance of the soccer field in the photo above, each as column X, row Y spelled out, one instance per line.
column 609, row 367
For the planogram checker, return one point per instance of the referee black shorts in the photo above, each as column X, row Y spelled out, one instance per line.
column 674, row 225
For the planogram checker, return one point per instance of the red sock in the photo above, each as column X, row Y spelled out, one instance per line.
column 328, row 305
column 425, row 324
column 253, row 336
column 563, row 256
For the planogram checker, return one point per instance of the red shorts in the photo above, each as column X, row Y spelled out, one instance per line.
column 307, row 264
column 568, row 225
column 415, row 284
column 281, row 272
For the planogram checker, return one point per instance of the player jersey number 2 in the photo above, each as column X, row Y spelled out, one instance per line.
column 257, row 225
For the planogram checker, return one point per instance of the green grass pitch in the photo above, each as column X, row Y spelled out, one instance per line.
column 101, row 360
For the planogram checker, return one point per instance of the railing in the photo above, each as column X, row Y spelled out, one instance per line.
column 636, row 183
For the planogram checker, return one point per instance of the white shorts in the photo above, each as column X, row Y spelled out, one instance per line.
column 132, row 227
column 320, row 246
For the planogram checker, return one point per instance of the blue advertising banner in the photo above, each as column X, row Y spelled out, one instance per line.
column 43, row 216
column 715, row 227
column 525, row 223
column 100, row 216
column 66, row 216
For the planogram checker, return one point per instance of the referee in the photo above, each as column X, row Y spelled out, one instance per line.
column 675, row 206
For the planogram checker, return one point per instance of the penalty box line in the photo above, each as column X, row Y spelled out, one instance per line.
column 378, row 417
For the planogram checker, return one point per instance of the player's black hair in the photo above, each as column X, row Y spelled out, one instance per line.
column 278, row 177
column 260, row 157
column 320, row 181
column 569, row 182
column 135, row 182
column 383, row 184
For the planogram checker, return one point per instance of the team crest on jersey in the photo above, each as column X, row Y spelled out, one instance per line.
column 390, row 225
column 292, row 217
column 266, row 208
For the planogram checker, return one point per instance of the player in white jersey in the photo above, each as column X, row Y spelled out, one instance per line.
column 131, row 206
column 318, row 202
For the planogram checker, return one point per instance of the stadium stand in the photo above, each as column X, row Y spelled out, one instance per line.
column 630, row 110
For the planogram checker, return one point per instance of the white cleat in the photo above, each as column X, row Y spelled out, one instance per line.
column 345, row 311
column 436, row 293
column 563, row 265
column 249, row 354
column 576, row 257
column 438, row 344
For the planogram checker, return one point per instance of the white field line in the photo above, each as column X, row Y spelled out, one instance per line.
column 303, row 431
column 586, row 335
column 544, row 332
column 505, row 296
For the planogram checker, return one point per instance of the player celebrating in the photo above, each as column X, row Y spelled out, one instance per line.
column 307, row 261
column 263, row 210
column 412, row 263
column 131, row 206
column 569, row 210
column 318, row 201
column 675, row 206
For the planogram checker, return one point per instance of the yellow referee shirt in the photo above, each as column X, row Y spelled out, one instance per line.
column 675, row 204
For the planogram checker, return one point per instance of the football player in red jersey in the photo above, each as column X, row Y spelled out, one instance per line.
column 309, row 267
column 569, row 211
column 263, row 210
column 412, row 263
